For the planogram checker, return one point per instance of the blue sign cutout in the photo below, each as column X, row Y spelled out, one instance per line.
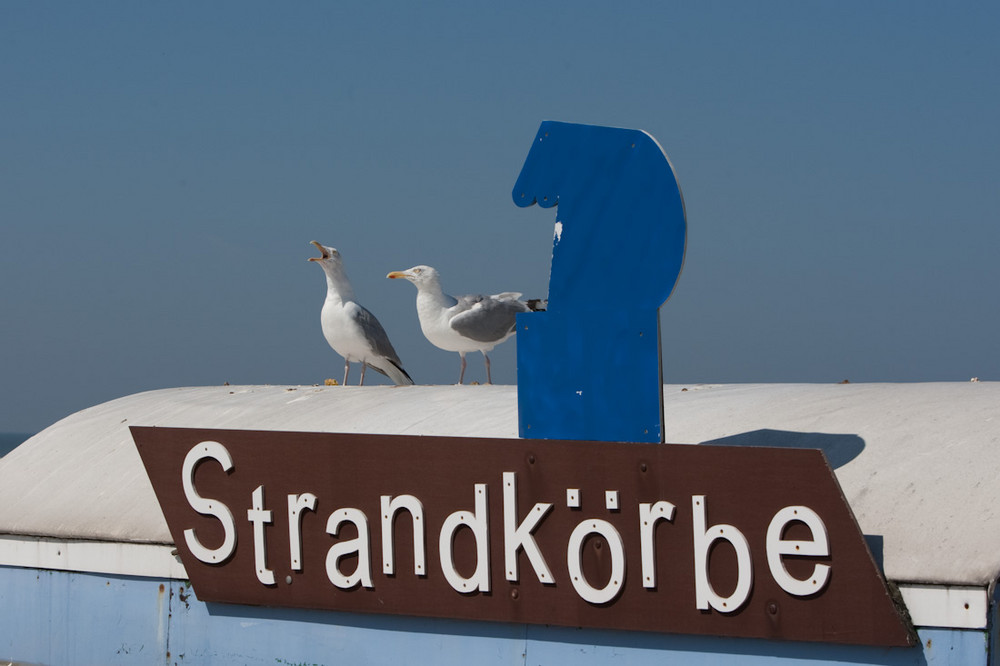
column 589, row 366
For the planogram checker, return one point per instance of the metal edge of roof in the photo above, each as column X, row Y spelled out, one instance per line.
column 947, row 606
column 940, row 606
column 101, row 557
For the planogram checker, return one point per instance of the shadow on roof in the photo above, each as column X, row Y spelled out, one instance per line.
column 839, row 449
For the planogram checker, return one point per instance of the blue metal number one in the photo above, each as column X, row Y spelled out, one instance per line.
column 589, row 367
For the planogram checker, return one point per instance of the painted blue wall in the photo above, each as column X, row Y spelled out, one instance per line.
column 49, row 617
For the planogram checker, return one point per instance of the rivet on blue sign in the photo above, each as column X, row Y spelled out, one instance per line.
column 589, row 366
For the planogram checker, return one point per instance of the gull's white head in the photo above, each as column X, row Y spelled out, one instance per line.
column 418, row 275
column 329, row 255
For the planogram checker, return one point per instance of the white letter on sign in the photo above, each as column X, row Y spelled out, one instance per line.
column 703, row 540
column 297, row 504
column 649, row 515
column 478, row 523
column 390, row 506
column 516, row 536
column 818, row 547
column 575, row 563
column 260, row 516
column 363, row 574
column 208, row 507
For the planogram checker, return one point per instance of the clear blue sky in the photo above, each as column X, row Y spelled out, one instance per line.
column 164, row 166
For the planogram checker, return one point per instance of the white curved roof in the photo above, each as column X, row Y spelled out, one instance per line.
column 917, row 462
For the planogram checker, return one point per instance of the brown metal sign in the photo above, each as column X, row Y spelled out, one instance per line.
column 727, row 541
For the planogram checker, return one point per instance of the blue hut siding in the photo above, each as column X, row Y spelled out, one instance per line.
column 57, row 617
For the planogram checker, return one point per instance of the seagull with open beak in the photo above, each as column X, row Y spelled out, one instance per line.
column 352, row 330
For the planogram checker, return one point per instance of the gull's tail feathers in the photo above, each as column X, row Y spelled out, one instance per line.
column 396, row 373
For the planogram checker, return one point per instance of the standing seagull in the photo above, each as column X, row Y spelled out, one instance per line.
column 468, row 323
column 351, row 330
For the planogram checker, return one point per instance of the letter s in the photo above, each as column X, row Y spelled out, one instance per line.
column 207, row 506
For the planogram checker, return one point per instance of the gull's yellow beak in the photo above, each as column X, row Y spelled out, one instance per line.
column 322, row 251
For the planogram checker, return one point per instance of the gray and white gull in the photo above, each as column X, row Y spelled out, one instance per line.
column 352, row 330
column 468, row 323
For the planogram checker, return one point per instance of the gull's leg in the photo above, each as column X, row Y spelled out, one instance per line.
column 364, row 366
column 347, row 369
column 489, row 379
column 461, row 374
